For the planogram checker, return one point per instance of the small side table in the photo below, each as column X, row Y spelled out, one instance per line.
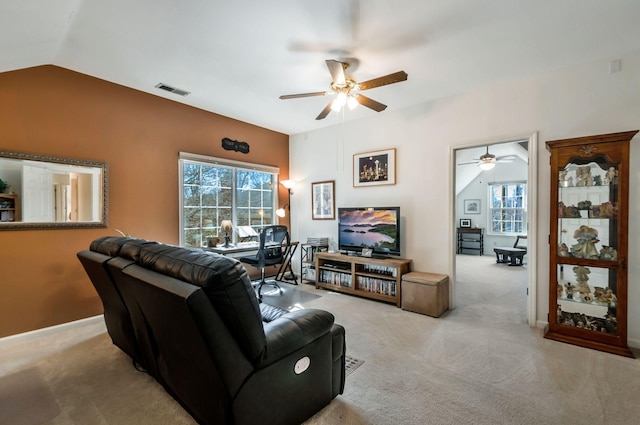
column 470, row 238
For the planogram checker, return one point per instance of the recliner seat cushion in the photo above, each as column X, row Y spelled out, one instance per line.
column 225, row 282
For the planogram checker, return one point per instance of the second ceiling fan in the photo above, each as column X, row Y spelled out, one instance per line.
column 347, row 89
column 488, row 160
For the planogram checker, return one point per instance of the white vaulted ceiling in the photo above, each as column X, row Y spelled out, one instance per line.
column 237, row 57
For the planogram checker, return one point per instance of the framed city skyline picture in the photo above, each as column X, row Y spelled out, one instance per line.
column 374, row 168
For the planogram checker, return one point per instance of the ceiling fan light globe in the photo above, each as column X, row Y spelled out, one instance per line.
column 339, row 102
column 486, row 165
column 352, row 102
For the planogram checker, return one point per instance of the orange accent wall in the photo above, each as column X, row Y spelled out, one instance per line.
column 54, row 111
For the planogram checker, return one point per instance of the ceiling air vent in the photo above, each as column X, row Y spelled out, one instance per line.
column 166, row 87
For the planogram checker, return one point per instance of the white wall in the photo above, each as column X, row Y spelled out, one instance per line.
column 571, row 102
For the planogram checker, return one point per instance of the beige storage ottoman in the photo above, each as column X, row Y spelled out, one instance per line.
column 425, row 293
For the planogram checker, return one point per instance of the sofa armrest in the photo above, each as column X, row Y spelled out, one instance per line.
column 293, row 331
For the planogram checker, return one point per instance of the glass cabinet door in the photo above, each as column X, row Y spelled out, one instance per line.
column 588, row 211
column 587, row 229
column 587, row 298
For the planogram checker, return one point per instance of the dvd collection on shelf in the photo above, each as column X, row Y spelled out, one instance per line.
column 6, row 216
column 336, row 278
column 365, row 283
column 379, row 286
column 382, row 270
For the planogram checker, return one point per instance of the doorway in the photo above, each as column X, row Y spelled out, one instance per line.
column 510, row 290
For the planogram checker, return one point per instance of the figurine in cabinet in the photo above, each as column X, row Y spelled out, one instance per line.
column 582, row 277
column 611, row 324
column 608, row 253
column 563, row 250
column 586, row 247
column 562, row 178
column 571, row 212
column 583, row 176
column 609, row 296
column 598, row 294
column 584, row 205
column 608, row 210
column 597, row 180
column 610, row 175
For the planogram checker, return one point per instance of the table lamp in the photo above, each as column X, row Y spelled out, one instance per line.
column 227, row 228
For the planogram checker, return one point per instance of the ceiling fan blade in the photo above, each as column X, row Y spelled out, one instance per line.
column 396, row 77
column 295, row 96
column 337, row 71
column 468, row 163
column 324, row 112
column 370, row 103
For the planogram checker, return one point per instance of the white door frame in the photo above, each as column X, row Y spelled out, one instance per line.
column 532, row 216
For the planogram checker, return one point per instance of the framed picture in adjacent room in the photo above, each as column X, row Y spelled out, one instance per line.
column 323, row 200
column 472, row 206
column 374, row 168
column 465, row 222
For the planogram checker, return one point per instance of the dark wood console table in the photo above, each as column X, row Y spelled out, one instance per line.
column 470, row 238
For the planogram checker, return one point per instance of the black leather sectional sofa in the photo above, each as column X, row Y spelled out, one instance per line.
column 191, row 319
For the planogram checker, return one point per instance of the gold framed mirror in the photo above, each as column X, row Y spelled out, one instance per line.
column 48, row 192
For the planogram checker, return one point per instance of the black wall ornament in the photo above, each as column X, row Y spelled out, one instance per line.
column 234, row 145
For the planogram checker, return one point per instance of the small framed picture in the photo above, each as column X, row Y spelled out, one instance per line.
column 465, row 222
column 374, row 168
column 367, row 252
column 472, row 206
column 322, row 200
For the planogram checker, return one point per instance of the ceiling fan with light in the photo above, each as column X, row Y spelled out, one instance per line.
column 347, row 89
column 488, row 161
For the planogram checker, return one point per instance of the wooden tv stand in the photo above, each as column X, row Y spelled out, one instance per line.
column 378, row 279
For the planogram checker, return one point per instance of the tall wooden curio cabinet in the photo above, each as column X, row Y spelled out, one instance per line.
column 588, row 252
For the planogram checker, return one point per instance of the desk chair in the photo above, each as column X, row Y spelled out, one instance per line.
column 274, row 242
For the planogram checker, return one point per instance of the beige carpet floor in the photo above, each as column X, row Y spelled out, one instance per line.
column 478, row 364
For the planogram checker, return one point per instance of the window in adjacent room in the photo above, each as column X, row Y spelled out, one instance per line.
column 214, row 189
column 507, row 208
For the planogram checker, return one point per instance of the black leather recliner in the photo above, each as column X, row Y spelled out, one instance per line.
column 116, row 314
column 226, row 358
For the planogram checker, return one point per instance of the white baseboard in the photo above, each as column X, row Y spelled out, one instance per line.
column 39, row 333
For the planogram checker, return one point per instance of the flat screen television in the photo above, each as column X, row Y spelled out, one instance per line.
column 375, row 228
